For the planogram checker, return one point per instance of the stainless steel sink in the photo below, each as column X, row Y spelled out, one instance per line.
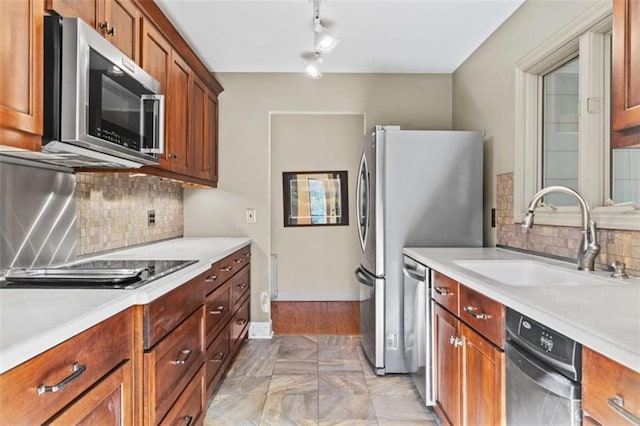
column 526, row 273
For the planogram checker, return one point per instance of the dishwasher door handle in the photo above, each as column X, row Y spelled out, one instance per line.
column 412, row 273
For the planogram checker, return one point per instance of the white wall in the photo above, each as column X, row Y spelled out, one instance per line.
column 414, row 101
column 483, row 86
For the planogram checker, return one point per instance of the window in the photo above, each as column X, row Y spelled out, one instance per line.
column 562, row 129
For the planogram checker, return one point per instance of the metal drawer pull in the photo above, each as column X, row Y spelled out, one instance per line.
column 188, row 419
column 472, row 311
column 247, row 255
column 617, row 404
column 243, row 285
column 226, row 268
column 242, row 321
column 77, row 369
column 455, row 341
column 217, row 311
column 238, row 260
column 211, row 278
column 185, row 354
column 443, row 291
column 219, row 357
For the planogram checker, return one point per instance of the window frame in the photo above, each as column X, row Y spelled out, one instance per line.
column 586, row 38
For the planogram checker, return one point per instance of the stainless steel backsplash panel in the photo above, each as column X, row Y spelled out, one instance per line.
column 37, row 214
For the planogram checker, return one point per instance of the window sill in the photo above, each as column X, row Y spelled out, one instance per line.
column 614, row 217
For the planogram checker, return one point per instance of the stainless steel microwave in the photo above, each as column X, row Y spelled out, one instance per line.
column 100, row 107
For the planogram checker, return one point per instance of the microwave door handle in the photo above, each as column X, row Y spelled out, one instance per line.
column 158, row 117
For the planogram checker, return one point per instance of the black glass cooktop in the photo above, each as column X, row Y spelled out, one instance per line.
column 105, row 274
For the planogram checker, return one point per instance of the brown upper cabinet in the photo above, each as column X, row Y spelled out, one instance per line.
column 21, row 57
column 141, row 31
column 117, row 20
column 626, row 74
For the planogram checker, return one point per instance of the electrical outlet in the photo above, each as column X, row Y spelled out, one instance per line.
column 251, row 215
column 151, row 218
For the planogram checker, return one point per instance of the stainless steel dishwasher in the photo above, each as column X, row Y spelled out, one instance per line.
column 418, row 340
column 543, row 374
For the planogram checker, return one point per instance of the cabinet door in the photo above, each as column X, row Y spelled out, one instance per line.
column 482, row 380
column 626, row 64
column 21, row 53
column 447, row 365
column 90, row 11
column 177, row 125
column 625, row 91
column 122, row 19
column 197, row 140
column 107, row 403
column 210, row 155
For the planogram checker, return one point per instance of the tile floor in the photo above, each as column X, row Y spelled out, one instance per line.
column 312, row 380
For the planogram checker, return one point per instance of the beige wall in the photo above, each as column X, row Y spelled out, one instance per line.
column 414, row 101
column 315, row 262
column 483, row 86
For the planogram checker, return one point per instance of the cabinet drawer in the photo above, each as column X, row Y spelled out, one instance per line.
column 445, row 291
column 107, row 403
column 227, row 267
column 188, row 408
column 483, row 314
column 170, row 365
column 218, row 311
column 166, row 312
column 217, row 356
column 93, row 352
column 239, row 324
column 604, row 379
column 240, row 287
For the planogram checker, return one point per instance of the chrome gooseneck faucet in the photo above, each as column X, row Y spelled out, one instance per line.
column 589, row 247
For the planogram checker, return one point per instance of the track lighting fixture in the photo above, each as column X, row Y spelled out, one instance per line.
column 313, row 67
column 323, row 42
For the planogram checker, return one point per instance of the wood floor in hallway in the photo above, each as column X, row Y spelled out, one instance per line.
column 316, row 318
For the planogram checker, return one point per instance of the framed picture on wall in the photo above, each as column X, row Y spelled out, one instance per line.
column 315, row 198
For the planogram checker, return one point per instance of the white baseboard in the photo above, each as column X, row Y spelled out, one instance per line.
column 260, row 330
column 319, row 296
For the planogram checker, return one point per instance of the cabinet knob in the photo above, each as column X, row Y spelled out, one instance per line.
column 211, row 278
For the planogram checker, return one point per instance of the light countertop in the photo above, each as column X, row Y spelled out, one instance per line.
column 606, row 318
column 34, row 320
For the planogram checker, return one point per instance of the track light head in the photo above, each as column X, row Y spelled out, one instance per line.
column 323, row 41
column 313, row 67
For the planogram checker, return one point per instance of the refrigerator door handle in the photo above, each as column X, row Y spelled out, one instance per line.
column 363, row 279
column 363, row 220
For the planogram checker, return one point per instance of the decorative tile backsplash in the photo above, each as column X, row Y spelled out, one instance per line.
column 113, row 210
column 563, row 241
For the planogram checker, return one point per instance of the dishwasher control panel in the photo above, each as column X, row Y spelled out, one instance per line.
column 548, row 345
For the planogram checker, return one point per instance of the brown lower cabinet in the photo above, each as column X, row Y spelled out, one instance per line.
column 469, row 366
column 187, row 339
column 151, row 364
column 86, row 379
column 610, row 391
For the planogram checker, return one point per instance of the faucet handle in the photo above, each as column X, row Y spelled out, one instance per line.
column 619, row 270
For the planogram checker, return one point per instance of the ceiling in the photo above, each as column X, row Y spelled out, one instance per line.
column 376, row 36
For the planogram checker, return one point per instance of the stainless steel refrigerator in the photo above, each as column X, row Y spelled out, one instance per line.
column 415, row 188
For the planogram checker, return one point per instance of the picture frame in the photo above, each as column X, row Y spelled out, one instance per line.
column 315, row 198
